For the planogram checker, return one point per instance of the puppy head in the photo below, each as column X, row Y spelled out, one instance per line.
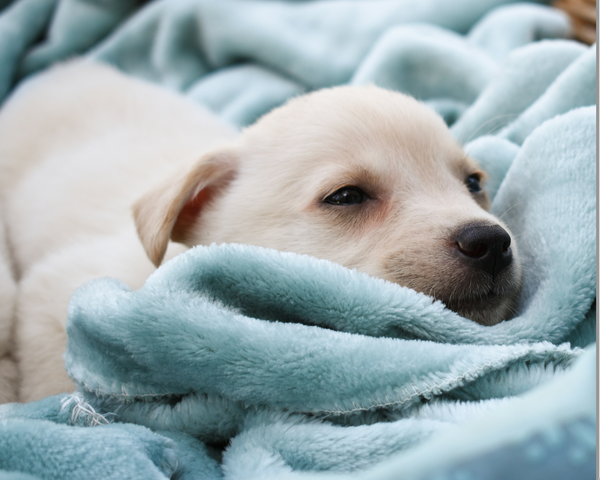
column 364, row 177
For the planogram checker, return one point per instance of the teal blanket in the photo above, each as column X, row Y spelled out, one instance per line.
column 240, row 362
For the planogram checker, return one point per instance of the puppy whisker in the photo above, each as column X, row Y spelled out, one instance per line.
column 513, row 115
column 509, row 209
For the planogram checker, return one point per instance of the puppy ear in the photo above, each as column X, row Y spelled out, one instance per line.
column 171, row 210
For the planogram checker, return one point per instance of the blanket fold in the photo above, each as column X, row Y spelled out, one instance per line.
column 525, row 76
column 284, row 365
column 240, row 362
column 108, row 451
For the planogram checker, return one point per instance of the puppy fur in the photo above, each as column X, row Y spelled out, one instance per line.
column 8, row 291
column 101, row 174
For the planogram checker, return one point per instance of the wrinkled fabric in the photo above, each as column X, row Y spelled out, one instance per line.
column 240, row 362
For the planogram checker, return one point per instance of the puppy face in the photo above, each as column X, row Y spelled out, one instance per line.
column 364, row 177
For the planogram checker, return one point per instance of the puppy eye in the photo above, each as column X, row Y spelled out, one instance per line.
column 347, row 196
column 472, row 183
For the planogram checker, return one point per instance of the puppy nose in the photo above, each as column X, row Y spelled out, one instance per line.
column 486, row 247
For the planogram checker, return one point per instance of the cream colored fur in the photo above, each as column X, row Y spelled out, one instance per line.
column 84, row 150
column 8, row 290
column 78, row 146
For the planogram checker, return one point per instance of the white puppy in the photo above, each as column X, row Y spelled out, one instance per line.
column 92, row 162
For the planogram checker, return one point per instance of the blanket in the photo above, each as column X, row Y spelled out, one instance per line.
column 240, row 362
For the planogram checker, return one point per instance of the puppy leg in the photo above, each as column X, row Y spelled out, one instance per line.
column 44, row 299
column 8, row 291
column 40, row 335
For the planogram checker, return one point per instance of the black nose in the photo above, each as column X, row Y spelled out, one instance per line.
column 486, row 247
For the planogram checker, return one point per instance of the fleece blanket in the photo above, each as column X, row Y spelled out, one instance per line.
column 239, row 362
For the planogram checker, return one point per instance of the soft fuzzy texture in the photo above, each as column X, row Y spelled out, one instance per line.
column 528, row 437
column 289, row 358
column 201, row 349
column 108, row 451
column 8, row 292
column 525, row 76
column 243, row 58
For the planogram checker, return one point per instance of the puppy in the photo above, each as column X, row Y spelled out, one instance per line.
column 104, row 175
column 8, row 290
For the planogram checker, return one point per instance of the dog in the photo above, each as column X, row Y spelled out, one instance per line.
column 105, row 175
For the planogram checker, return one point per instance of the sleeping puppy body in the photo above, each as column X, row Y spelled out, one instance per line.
column 104, row 175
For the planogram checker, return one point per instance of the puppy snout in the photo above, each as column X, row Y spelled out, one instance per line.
column 486, row 247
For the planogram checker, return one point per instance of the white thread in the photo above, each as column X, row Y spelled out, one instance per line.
column 80, row 409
